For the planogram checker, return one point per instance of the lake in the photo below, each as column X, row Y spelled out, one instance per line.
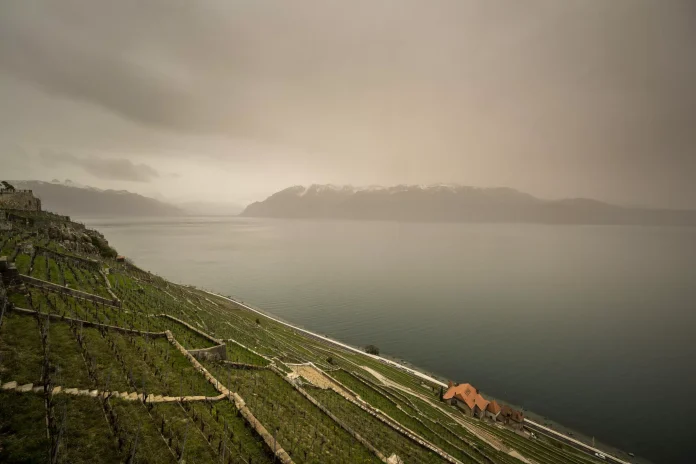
column 591, row 326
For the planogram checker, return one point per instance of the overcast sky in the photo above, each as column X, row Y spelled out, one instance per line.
column 239, row 99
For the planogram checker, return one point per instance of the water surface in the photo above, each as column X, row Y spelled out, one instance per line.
column 591, row 326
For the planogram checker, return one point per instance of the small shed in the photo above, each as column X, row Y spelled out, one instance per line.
column 492, row 410
column 120, row 259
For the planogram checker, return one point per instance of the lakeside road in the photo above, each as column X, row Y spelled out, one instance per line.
column 529, row 423
column 571, row 442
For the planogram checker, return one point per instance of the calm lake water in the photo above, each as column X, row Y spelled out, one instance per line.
column 591, row 326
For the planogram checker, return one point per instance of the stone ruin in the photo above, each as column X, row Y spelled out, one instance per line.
column 19, row 200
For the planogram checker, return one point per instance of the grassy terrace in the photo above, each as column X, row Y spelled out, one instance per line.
column 134, row 420
column 22, row 428
column 201, row 431
column 228, row 434
column 384, row 438
column 464, row 447
column 86, row 432
column 303, row 430
column 20, row 350
column 237, row 353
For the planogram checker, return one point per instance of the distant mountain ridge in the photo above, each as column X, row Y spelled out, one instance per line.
column 74, row 199
column 452, row 203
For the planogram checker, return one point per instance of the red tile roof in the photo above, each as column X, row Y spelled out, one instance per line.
column 512, row 414
column 468, row 394
column 493, row 407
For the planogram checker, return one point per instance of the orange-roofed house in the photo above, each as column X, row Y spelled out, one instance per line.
column 493, row 410
column 466, row 398
column 511, row 417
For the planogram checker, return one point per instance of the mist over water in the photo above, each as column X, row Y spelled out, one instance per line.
column 591, row 326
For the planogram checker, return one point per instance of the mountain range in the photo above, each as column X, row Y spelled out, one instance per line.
column 78, row 200
column 82, row 200
column 452, row 203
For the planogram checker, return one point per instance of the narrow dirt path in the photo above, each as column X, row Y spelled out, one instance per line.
column 128, row 396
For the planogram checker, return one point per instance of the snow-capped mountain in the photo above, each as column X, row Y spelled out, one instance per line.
column 450, row 203
column 70, row 183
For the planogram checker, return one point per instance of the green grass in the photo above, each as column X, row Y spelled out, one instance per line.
column 227, row 430
column 175, row 371
column 133, row 420
column 86, row 435
column 302, row 429
column 23, row 261
column 137, row 363
column 110, row 374
column 187, row 440
column 187, row 337
column 65, row 357
column 39, row 269
column 21, row 353
column 54, row 272
column 237, row 353
column 407, row 417
column 22, row 428
column 19, row 299
column 70, row 279
column 8, row 246
column 537, row 450
column 383, row 437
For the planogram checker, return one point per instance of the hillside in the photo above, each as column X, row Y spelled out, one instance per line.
column 101, row 361
column 74, row 200
column 446, row 203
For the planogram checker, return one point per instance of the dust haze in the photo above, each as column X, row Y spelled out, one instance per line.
column 235, row 100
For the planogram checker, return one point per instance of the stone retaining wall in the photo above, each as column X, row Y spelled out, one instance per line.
column 214, row 353
column 198, row 331
column 398, row 427
column 381, row 391
column 249, row 367
column 282, row 456
column 34, row 282
column 115, row 328
column 108, row 285
column 391, row 395
column 249, row 349
column 127, row 396
column 344, row 426
column 91, row 263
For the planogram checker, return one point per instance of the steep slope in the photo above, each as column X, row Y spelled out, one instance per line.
column 88, row 201
column 452, row 203
column 99, row 357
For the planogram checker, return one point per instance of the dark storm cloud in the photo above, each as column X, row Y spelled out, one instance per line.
column 110, row 169
column 585, row 97
column 52, row 48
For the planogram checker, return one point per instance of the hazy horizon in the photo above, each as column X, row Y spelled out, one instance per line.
column 556, row 278
column 235, row 101
column 216, row 207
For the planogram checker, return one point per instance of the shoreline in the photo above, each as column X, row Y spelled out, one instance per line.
column 562, row 436
column 330, row 340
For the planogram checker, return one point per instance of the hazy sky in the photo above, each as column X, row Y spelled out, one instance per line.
column 184, row 98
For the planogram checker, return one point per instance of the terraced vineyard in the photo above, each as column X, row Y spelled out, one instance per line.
column 101, row 361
